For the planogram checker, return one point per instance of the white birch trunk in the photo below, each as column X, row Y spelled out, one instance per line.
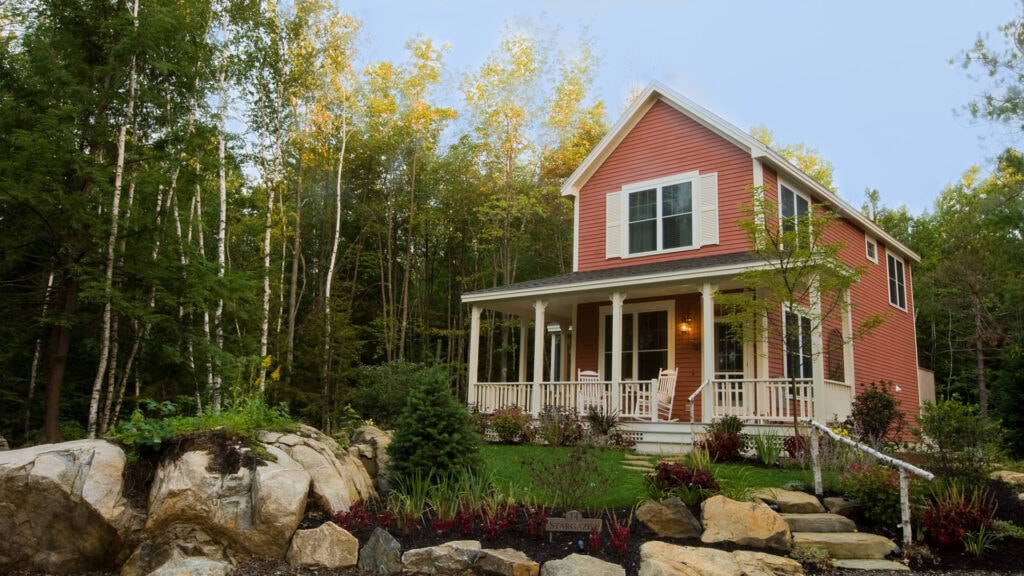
column 325, row 370
column 34, row 372
column 222, row 222
column 101, row 369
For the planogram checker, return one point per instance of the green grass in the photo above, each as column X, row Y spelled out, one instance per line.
column 510, row 466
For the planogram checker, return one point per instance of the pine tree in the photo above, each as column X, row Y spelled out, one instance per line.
column 434, row 436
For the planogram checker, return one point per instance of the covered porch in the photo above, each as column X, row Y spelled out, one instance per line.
column 628, row 324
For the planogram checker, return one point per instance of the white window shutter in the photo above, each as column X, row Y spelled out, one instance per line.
column 709, row 209
column 613, row 225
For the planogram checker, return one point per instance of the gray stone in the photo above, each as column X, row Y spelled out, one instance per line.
column 581, row 565
column 790, row 501
column 844, row 507
column 749, row 524
column 180, row 550
column 819, row 523
column 372, row 443
column 505, row 562
column 454, row 558
column 62, row 508
column 669, row 518
column 872, row 565
column 327, row 546
column 382, row 553
column 846, row 545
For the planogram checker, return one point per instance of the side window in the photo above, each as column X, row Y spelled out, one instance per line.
column 794, row 208
column 871, row 249
column 897, row 282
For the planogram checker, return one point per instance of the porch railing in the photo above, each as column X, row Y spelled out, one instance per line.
column 761, row 400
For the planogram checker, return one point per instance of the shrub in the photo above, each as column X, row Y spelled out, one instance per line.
column 724, row 440
column 797, row 447
column 955, row 513
column 434, row 436
column 601, row 424
column 381, row 391
column 875, row 416
column 509, row 424
column 672, row 479
column 570, row 482
column 559, row 427
column 877, row 488
column 957, row 441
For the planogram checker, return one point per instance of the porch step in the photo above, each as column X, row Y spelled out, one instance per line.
column 846, row 545
column 819, row 523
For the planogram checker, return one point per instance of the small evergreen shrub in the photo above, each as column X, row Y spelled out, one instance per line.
column 510, row 425
column 957, row 441
column 875, row 416
column 434, row 437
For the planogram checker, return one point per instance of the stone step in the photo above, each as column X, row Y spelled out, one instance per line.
column 820, row 522
column 846, row 545
column 638, row 468
column 887, row 565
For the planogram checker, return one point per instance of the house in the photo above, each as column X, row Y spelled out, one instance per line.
column 656, row 237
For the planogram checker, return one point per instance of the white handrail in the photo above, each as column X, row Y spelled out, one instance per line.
column 903, row 467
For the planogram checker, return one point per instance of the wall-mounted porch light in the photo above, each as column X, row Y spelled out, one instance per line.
column 686, row 331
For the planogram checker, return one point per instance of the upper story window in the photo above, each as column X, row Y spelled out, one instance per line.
column 897, row 282
column 661, row 216
column 794, row 209
column 871, row 249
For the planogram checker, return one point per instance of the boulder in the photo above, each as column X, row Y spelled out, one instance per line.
column 338, row 478
column 669, row 518
column 581, row 565
column 382, row 553
column 326, row 546
column 663, row 559
column 62, row 507
column 454, row 558
column 372, row 444
column 179, row 550
column 748, row 524
column 1008, row 476
column 253, row 509
column 505, row 562
column 790, row 501
column 844, row 507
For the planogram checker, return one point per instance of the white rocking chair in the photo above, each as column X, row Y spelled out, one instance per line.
column 663, row 389
column 589, row 392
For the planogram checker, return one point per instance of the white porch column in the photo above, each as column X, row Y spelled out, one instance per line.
column 553, row 354
column 474, row 355
column 848, row 374
column 817, row 357
column 538, row 353
column 616, row 376
column 707, row 347
column 524, row 339
column 564, row 376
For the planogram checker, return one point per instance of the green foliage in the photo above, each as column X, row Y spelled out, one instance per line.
column 434, row 435
column 877, row 488
column 511, row 425
column 875, row 416
column 601, row 424
column 559, row 427
column 569, row 482
column 381, row 390
column 957, row 441
column 723, row 439
column 767, row 446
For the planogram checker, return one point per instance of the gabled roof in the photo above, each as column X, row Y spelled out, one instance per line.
column 656, row 92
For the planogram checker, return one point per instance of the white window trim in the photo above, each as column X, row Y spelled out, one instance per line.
column 888, row 280
column 653, row 306
column 869, row 241
column 796, row 190
column 695, row 211
column 802, row 312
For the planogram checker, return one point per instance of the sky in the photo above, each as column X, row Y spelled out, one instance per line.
column 868, row 83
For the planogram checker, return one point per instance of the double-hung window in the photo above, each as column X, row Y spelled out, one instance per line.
column 794, row 209
column 897, row 282
column 798, row 346
column 661, row 215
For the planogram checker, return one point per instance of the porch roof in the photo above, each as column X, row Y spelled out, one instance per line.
column 641, row 281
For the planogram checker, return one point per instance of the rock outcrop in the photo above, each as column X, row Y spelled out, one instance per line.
column 669, row 518
column 62, row 507
column 743, row 523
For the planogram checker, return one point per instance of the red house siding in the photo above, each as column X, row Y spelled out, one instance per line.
column 663, row 143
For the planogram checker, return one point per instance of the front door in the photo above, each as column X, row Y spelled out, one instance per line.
column 645, row 344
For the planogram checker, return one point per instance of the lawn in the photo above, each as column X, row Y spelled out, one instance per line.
column 525, row 470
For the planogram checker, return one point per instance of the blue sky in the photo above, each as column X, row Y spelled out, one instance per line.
column 867, row 82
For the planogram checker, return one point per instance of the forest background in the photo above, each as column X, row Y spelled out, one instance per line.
column 202, row 201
